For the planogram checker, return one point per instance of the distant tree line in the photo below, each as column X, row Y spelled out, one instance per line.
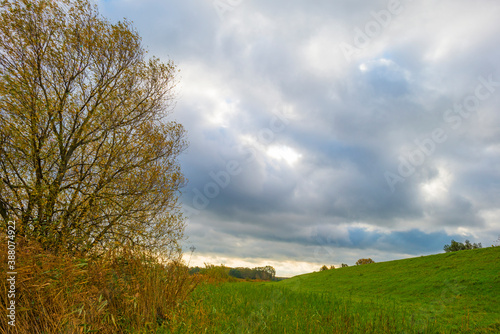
column 343, row 265
column 263, row 273
column 458, row 246
column 266, row 273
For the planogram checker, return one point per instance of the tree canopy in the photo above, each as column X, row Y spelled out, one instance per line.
column 88, row 159
column 364, row 261
column 457, row 246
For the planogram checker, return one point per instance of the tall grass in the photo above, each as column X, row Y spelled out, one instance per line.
column 128, row 292
column 120, row 292
column 443, row 293
column 246, row 307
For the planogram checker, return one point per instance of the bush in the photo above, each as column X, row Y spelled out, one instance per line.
column 458, row 246
column 216, row 273
column 325, row 267
column 120, row 292
column 364, row 261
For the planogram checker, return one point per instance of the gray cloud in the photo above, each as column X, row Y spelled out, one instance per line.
column 311, row 185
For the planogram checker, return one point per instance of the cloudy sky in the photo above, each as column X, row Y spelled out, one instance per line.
column 322, row 132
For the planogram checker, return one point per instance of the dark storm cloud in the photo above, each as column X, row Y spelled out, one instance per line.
column 292, row 141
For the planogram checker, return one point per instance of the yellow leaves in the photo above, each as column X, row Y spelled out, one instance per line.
column 87, row 144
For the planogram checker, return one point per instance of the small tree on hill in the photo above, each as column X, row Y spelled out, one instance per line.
column 458, row 246
column 364, row 261
column 324, row 268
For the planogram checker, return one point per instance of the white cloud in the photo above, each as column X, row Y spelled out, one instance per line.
column 349, row 124
column 436, row 190
column 283, row 152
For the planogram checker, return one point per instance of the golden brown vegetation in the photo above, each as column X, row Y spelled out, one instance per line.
column 89, row 177
column 364, row 261
column 119, row 292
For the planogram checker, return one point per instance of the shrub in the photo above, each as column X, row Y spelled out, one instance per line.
column 364, row 261
column 120, row 292
column 323, row 268
column 216, row 273
column 458, row 246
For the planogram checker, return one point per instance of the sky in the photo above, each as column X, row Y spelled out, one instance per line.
column 322, row 132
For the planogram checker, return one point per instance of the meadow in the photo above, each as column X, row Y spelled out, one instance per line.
column 126, row 292
column 445, row 293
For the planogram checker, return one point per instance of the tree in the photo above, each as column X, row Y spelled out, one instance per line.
column 364, row 261
column 453, row 247
column 235, row 272
column 88, row 160
column 325, row 267
column 458, row 246
column 344, row 265
column 271, row 272
column 264, row 273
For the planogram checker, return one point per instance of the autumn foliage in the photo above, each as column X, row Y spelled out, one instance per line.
column 364, row 261
column 88, row 160
column 117, row 293
column 89, row 173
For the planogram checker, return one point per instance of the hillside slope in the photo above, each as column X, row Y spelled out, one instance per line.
column 441, row 286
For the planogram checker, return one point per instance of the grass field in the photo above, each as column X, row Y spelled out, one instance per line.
column 445, row 293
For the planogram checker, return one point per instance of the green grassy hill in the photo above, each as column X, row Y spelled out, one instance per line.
column 444, row 293
column 447, row 286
